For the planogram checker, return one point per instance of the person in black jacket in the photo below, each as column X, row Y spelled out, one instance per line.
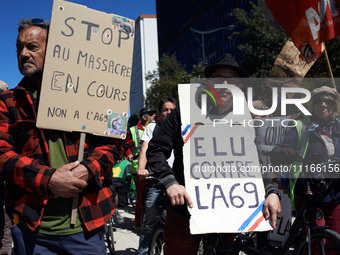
column 323, row 145
column 178, row 239
column 153, row 196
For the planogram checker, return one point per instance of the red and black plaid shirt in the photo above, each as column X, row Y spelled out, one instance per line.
column 24, row 163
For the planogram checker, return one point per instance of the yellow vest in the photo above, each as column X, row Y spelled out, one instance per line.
column 136, row 135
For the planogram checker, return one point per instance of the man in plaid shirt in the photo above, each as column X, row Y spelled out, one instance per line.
column 41, row 170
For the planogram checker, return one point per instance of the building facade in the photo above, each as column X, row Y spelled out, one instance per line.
column 197, row 30
column 145, row 57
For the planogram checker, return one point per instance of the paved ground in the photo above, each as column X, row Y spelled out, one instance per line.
column 125, row 237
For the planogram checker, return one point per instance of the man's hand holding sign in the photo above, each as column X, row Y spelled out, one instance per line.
column 178, row 195
column 209, row 176
column 46, row 160
column 68, row 176
column 75, row 73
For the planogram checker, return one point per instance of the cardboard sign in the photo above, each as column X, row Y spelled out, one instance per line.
column 267, row 136
column 221, row 169
column 288, row 64
column 87, row 72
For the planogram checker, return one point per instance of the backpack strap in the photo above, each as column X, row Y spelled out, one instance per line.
column 301, row 128
column 303, row 133
column 135, row 133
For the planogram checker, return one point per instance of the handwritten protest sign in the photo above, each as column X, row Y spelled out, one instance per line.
column 221, row 169
column 267, row 136
column 87, row 72
column 288, row 64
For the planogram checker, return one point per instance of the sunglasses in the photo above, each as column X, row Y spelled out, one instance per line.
column 35, row 22
column 327, row 101
column 219, row 80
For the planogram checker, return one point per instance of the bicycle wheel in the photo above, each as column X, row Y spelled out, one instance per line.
column 200, row 248
column 324, row 242
column 157, row 242
column 110, row 238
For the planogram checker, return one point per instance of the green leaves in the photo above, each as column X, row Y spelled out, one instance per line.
column 165, row 78
column 259, row 41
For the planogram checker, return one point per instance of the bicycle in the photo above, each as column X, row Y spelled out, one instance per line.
column 304, row 236
column 130, row 184
column 157, row 239
column 108, row 230
column 124, row 182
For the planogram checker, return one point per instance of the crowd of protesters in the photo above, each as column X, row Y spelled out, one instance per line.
column 41, row 174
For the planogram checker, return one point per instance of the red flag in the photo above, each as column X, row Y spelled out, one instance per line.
column 308, row 23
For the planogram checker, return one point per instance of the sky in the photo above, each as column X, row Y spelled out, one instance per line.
column 13, row 11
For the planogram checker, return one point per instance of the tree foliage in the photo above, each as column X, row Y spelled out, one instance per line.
column 259, row 41
column 165, row 78
column 133, row 120
column 319, row 69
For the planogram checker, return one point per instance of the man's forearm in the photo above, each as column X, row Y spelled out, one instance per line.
column 142, row 156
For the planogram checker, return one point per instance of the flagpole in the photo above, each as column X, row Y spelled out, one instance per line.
column 328, row 64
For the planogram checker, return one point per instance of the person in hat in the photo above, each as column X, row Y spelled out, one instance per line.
column 146, row 115
column 178, row 239
column 225, row 71
column 322, row 144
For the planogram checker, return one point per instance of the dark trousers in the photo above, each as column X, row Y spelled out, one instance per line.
column 5, row 224
column 7, row 238
column 139, row 201
column 178, row 239
column 27, row 242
